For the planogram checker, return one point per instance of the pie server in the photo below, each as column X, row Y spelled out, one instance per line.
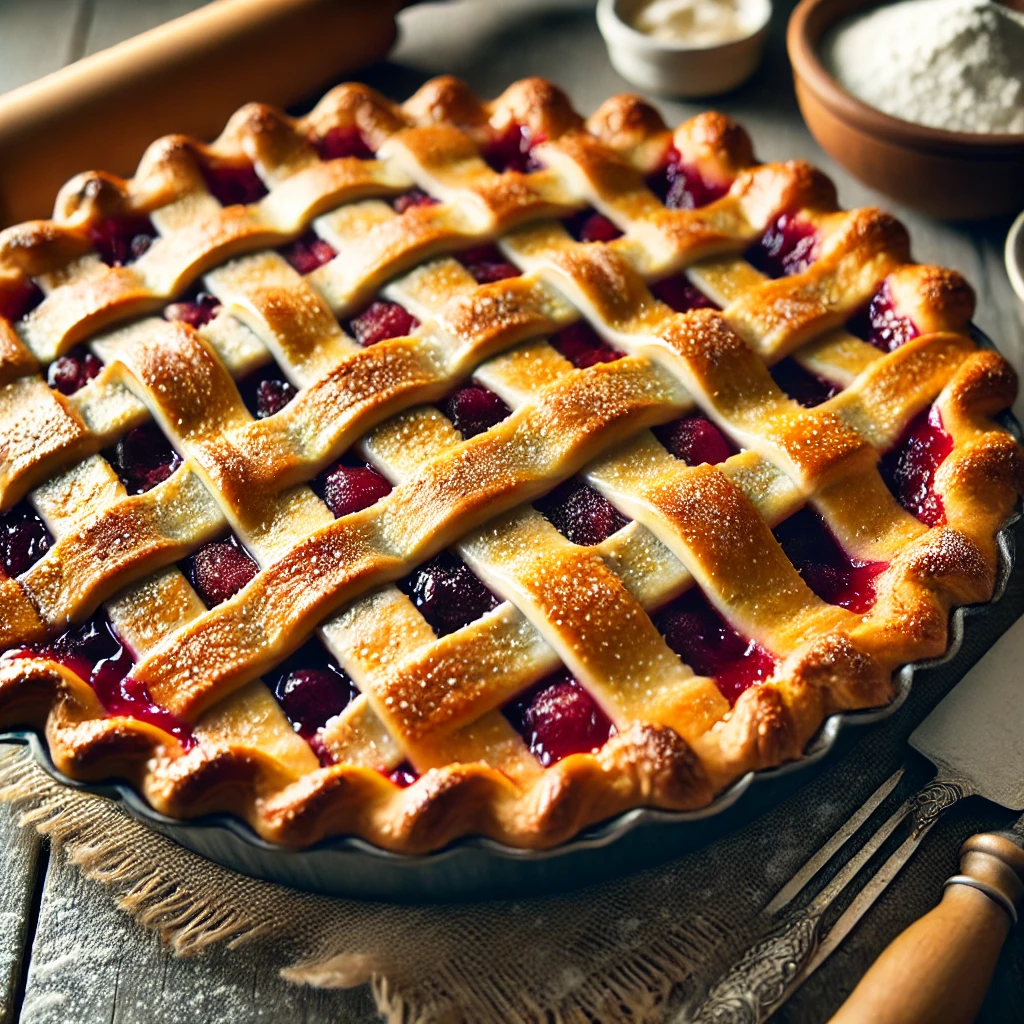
column 939, row 969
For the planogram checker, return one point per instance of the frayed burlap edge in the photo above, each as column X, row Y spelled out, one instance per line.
column 607, row 974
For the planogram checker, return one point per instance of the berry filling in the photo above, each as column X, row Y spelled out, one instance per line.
column 590, row 226
column 71, row 372
column 95, row 654
column 447, row 593
column 558, row 718
column 266, row 392
column 344, row 140
column 414, row 197
column 307, row 253
column 711, row 647
column 580, row 344
column 196, row 311
column 121, row 241
column 681, row 187
column 24, row 539
column 348, row 488
column 513, row 150
column 20, row 300
column 802, row 386
column 789, row 246
column 681, row 294
column 695, row 440
column 579, row 513
column 312, row 688
column 909, row 467
column 473, row 409
column 219, row 570
column 824, row 565
column 382, row 320
column 487, row 264
column 881, row 325
column 143, row 458
column 404, row 775
column 235, row 185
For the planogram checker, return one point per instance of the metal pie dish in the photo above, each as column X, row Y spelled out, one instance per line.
column 478, row 868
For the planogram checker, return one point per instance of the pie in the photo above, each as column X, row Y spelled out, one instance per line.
column 459, row 468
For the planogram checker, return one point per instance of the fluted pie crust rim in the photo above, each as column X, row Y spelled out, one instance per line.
column 678, row 743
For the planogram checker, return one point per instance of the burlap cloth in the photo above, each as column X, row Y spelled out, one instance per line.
column 641, row 949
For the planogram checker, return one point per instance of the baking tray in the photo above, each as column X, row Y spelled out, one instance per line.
column 478, row 868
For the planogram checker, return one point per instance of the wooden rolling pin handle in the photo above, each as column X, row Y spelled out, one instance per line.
column 939, row 968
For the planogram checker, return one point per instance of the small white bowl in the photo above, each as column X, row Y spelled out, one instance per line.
column 1015, row 256
column 680, row 68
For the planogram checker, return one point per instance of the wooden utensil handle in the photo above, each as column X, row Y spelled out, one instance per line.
column 941, row 966
column 186, row 76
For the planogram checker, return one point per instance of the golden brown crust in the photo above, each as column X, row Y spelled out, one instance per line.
column 436, row 702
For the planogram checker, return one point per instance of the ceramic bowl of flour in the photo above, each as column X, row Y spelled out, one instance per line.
column 947, row 173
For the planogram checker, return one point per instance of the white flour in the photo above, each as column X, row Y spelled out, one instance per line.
column 953, row 64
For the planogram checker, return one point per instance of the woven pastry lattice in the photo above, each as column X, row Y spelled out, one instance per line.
column 400, row 216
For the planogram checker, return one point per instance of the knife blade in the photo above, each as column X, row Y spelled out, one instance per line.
column 975, row 739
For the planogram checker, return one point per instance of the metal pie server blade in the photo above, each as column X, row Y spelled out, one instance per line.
column 975, row 738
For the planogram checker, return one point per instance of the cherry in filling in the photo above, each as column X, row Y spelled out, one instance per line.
column 95, row 653
column 219, row 570
column 580, row 344
column 681, row 294
column 695, row 440
column 24, row 539
column 414, row 197
column 580, row 513
column 801, row 385
column 557, row 717
column 143, row 458
column 71, row 372
column 591, row 226
column 266, row 392
column 20, row 300
column 487, row 264
column 380, row 321
column 195, row 311
column 788, row 246
column 120, row 241
column 512, row 150
column 233, row 184
column 341, row 141
column 448, row 594
column 681, row 187
column 909, row 467
column 307, row 253
column 349, row 487
column 312, row 688
column 881, row 324
column 711, row 647
column 824, row 565
column 404, row 775
column 474, row 409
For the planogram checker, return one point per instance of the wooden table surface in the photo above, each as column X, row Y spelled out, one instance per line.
column 67, row 954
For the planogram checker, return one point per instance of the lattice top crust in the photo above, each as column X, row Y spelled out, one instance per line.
column 593, row 465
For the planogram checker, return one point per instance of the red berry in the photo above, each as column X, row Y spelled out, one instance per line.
column 560, row 718
column 448, row 594
column 272, row 395
column 680, row 294
column 789, row 246
column 343, row 140
column 309, row 252
column 382, row 320
column 580, row 344
column 414, row 197
column 404, row 775
column 219, row 570
column 681, row 187
column 581, row 514
column 882, row 325
column 597, row 228
column 310, row 697
column 513, row 150
column 348, row 489
column 802, row 386
column 144, row 458
column 487, row 264
column 234, row 185
column 19, row 300
column 909, row 467
column 70, row 372
column 473, row 409
column 24, row 539
column 120, row 241
column 194, row 312
column 696, row 440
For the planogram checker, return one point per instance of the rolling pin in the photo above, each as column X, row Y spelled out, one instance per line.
column 938, row 970
column 187, row 76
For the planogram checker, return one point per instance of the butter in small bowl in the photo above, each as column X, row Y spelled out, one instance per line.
column 685, row 47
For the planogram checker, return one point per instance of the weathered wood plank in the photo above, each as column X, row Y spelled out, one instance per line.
column 37, row 38
column 92, row 962
column 22, row 858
